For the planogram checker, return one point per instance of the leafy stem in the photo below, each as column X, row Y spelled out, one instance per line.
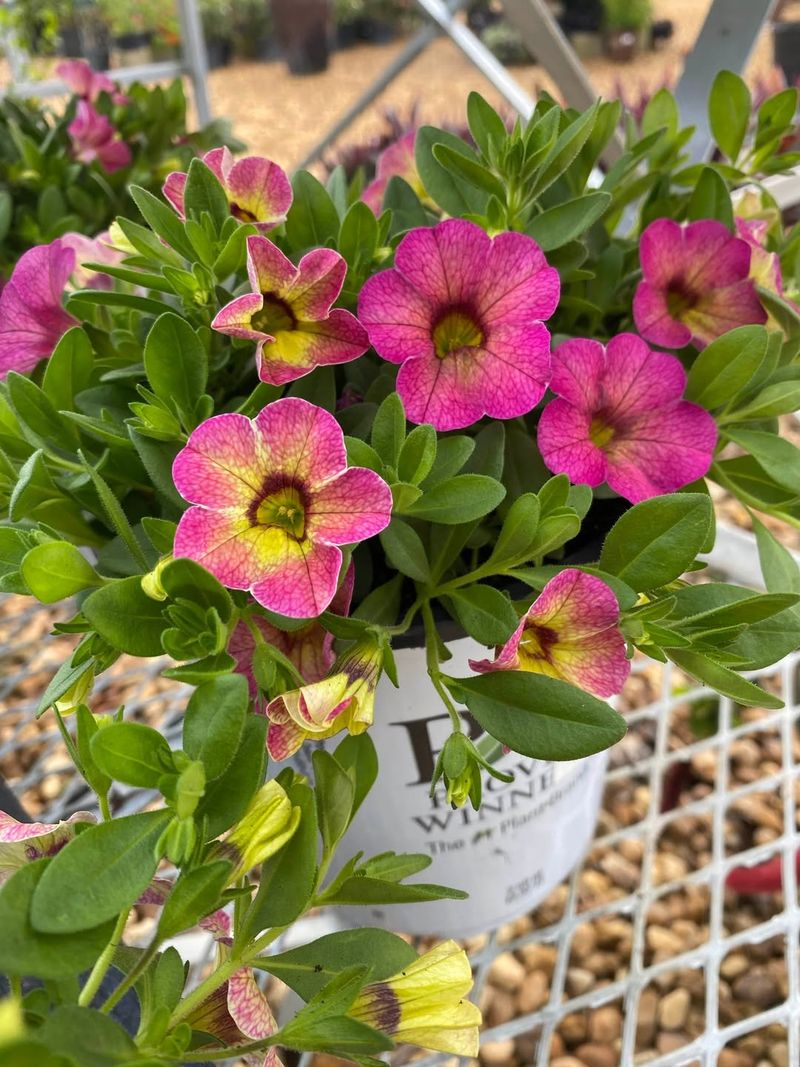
column 432, row 661
column 103, row 962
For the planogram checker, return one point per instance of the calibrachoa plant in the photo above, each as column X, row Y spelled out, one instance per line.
column 270, row 428
column 69, row 169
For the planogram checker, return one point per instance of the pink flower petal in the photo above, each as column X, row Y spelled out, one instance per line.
column 636, row 379
column 444, row 392
column 565, row 445
column 398, row 318
column 259, row 191
column 518, row 285
column 302, row 440
column 575, row 605
column 268, row 268
column 220, row 162
column 654, row 320
column 720, row 310
column 446, row 261
column 251, row 1012
column 225, row 543
column 173, row 190
column 662, row 253
column 321, row 275
column 353, row 506
column 598, row 664
column 578, row 366
column 222, row 464
column 301, row 578
column 516, row 375
column 235, row 318
column 713, row 257
column 284, row 739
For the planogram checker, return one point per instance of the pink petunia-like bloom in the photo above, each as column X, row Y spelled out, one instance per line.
column 92, row 250
column 619, row 417
column 93, row 138
column 24, row 842
column 32, row 317
column 570, row 632
column 309, row 648
column 84, row 81
column 274, row 499
column 695, row 284
column 461, row 312
column 290, row 315
column 345, row 699
column 258, row 190
column 396, row 160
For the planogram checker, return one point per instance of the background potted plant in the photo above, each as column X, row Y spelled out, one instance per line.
column 217, row 21
column 303, row 30
column 626, row 27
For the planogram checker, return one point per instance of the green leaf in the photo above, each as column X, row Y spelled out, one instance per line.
column 448, row 190
column 116, row 515
column 358, row 236
column 313, row 220
column 726, row 366
column 25, row 951
column 87, row 1037
column 126, row 617
column 389, row 429
column 569, row 143
column 723, row 679
column 56, row 570
column 67, row 675
column 485, row 613
column 195, row 894
column 163, row 221
column 87, row 727
column 133, row 753
column 338, row 1035
column 540, row 717
column 779, row 457
column 711, row 199
column 654, row 542
column 778, row 565
column 227, row 798
column 405, row 206
column 781, row 398
column 68, row 370
column 366, row 891
column 486, row 126
column 469, row 170
column 357, row 755
column 203, row 194
column 214, row 722
column 309, row 968
column 99, row 873
column 334, row 795
column 289, row 877
column 729, row 110
column 565, row 222
column 460, row 499
column 405, row 551
column 517, row 537
column 451, row 455
column 417, row 455
column 176, row 362
column 186, row 580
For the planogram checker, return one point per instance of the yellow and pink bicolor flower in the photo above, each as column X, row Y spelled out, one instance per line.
column 257, row 189
column 397, row 160
column 290, row 313
column 461, row 313
column 695, row 284
column 619, row 417
column 570, row 632
column 24, row 842
column 273, row 499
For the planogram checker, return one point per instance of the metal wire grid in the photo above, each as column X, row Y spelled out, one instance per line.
column 652, row 768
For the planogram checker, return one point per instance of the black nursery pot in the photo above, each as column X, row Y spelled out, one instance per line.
column 302, row 30
column 127, row 42
column 218, row 53
column 786, row 44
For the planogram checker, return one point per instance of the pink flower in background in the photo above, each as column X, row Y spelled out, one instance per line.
column 696, row 284
column 571, row 632
column 94, row 138
column 345, row 699
column 24, row 842
column 32, row 317
column 461, row 313
column 290, row 315
column 84, row 81
column 92, row 250
column 619, row 417
column 309, row 648
column 274, row 499
column 396, row 160
column 258, row 190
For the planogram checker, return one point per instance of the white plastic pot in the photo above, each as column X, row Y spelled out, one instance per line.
column 527, row 836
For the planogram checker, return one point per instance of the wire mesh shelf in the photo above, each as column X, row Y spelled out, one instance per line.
column 645, row 951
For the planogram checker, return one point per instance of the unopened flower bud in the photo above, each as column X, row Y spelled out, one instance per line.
column 151, row 582
column 265, row 828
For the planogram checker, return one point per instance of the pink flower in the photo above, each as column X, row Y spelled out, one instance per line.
column 571, row 632
column 24, row 842
column 460, row 312
column 289, row 313
column 619, row 417
column 92, row 250
column 258, row 190
column 396, row 160
column 94, row 138
column 274, row 500
column 32, row 318
column 310, row 648
column 695, row 285
column 85, row 82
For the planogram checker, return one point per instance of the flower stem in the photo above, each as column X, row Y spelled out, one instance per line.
column 432, row 660
column 131, row 978
column 103, row 962
column 194, row 999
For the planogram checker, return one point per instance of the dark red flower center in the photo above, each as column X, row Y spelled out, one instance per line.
column 242, row 214
column 680, row 299
column 536, row 642
column 275, row 316
column 456, row 329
